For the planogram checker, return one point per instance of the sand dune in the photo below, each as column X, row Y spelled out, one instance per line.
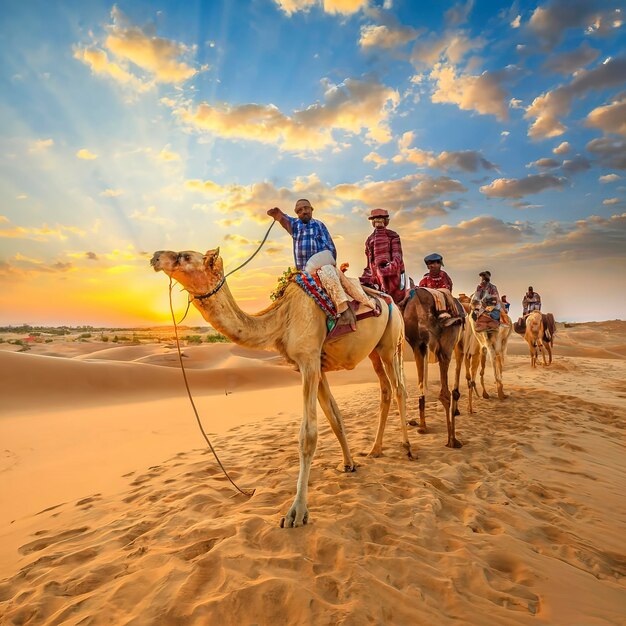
column 523, row 525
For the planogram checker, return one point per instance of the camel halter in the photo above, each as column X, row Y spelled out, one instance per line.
column 246, row 492
column 219, row 285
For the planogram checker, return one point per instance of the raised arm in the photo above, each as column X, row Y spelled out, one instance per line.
column 281, row 218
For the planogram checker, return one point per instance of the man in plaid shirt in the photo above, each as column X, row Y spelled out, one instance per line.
column 315, row 252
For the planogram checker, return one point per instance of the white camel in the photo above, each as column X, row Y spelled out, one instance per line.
column 296, row 327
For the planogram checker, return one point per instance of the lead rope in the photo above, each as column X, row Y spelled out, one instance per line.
column 247, row 492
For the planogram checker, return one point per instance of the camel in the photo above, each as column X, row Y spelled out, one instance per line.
column 545, row 335
column 426, row 335
column 493, row 342
column 296, row 327
column 473, row 356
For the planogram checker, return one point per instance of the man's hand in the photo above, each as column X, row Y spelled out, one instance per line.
column 276, row 213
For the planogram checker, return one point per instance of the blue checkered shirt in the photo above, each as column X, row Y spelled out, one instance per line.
column 309, row 239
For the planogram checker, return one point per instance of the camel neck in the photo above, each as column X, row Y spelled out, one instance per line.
column 223, row 313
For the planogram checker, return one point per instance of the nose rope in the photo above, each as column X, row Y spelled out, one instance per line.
column 221, row 283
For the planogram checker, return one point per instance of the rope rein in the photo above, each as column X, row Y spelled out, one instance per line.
column 246, row 492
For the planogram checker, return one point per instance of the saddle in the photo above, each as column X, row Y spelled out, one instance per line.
column 549, row 326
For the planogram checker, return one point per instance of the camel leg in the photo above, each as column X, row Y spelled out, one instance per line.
column 298, row 515
column 331, row 410
column 445, row 398
column 543, row 354
column 458, row 363
column 533, row 358
column 496, row 360
column 548, row 346
column 420, row 352
column 385, row 402
column 483, row 363
column 394, row 368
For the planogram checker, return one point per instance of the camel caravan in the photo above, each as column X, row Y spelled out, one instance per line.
column 322, row 320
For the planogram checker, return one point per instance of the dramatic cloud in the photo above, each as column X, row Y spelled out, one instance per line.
column 518, row 188
column 344, row 7
column 133, row 49
column 466, row 160
column 382, row 36
column 610, row 118
column 567, row 63
column 483, row 93
column 547, row 108
column 550, row 22
column 611, row 152
column 351, row 106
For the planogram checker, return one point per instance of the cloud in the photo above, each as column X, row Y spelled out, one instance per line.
column 111, row 193
column 382, row 36
column 483, row 94
column 465, row 160
column 86, row 155
column 518, row 188
column 576, row 165
column 417, row 194
column 167, row 155
column 563, row 148
column 569, row 62
column 344, row 7
column 351, row 106
column 610, row 201
column 41, row 233
column 450, row 47
column 609, row 178
column 549, row 22
column 548, row 107
column 611, row 152
column 40, row 145
column 139, row 57
column 374, row 157
column 610, row 118
column 545, row 163
column 91, row 256
column 459, row 13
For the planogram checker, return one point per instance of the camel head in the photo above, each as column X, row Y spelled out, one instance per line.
column 197, row 273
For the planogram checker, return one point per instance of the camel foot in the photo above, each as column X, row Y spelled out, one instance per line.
column 455, row 443
column 349, row 468
column 486, row 395
column 375, row 452
column 422, row 430
column 502, row 395
column 291, row 519
column 407, row 447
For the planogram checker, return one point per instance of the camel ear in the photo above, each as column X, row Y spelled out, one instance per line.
column 210, row 257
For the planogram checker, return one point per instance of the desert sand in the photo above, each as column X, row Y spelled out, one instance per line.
column 112, row 510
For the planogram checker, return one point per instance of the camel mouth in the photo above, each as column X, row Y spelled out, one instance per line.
column 163, row 257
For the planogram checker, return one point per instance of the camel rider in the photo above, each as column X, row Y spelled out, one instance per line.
column 486, row 298
column 531, row 302
column 314, row 252
column 437, row 279
column 383, row 252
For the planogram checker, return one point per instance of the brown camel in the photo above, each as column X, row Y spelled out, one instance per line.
column 426, row 335
column 547, row 335
column 296, row 327
column 534, row 336
column 493, row 342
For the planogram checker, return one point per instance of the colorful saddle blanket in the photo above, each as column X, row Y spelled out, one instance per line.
column 313, row 287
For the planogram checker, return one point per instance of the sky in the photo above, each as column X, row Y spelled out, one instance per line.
column 494, row 133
